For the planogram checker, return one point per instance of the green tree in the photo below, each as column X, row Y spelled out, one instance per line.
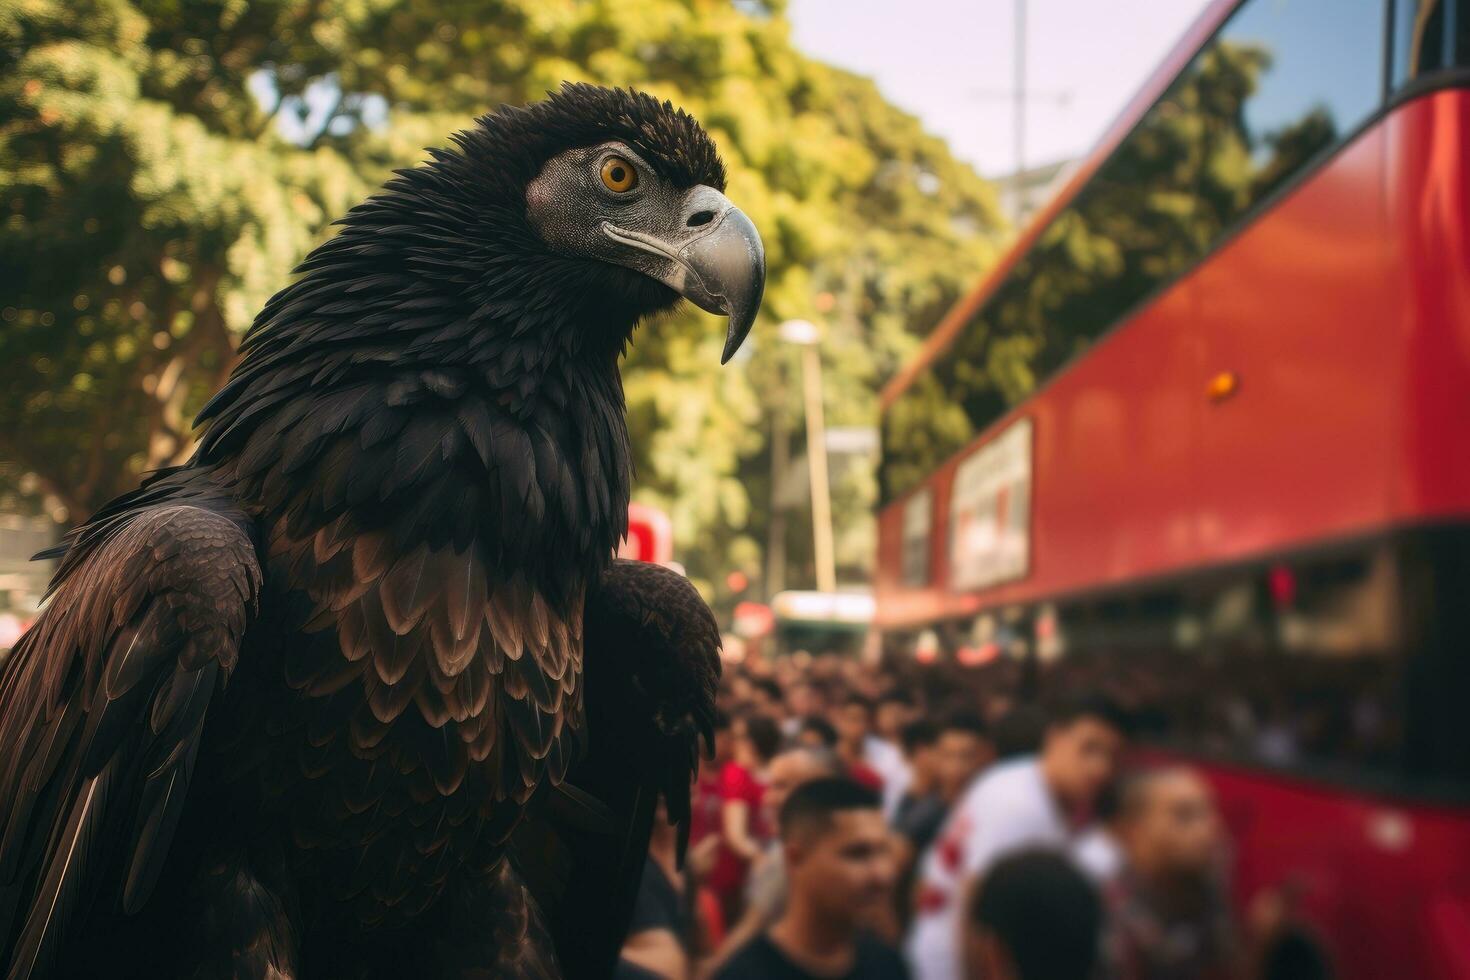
column 153, row 199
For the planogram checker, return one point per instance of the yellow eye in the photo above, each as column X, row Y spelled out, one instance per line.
column 618, row 175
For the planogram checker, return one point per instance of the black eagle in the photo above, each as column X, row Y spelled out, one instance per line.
column 361, row 690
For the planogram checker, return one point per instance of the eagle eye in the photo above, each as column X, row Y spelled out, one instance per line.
column 618, row 175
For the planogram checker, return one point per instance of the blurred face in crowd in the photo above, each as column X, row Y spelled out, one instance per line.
column 924, row 761
column 763, row 704
column 742, row 749
column 1078, row 757
column 803, row 700
column 891, row 717
column 786, row 672
column 1173, row 830
column 958, row 756
column 851, row 721
column 996, row 707
column 787, row 771
column 843, row 867
column 810, row 739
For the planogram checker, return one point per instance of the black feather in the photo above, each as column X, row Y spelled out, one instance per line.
column 300, row 691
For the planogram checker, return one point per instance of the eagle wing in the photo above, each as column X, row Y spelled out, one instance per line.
column 102, row 706
column 652, row 671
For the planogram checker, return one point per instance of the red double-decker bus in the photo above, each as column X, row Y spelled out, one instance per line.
column 1203, row 438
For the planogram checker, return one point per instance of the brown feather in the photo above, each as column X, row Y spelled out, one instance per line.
column 406, row 591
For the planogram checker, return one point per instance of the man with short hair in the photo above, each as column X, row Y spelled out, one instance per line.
column 895, row 709
column 882, row 751
column 818, row 733
column 962, row 749
column 839, row 872
column 765, row 888
column 1029, row 801
column 765, row 892
column 921, row 810
column 1033, row 917
column 767, row 698
column 854, row 722
column 1168, row 914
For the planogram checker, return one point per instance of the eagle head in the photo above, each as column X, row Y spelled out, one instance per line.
column 540, row 240
column 629, row 192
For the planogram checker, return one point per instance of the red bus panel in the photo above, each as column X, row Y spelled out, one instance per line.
column 1386, row 886
column 1343, row 314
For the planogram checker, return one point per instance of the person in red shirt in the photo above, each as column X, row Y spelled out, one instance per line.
column 864, row 775
column 704, row 815
column 705, row 809
column 743, row 832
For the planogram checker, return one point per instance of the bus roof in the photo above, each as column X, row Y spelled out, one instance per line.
column 944, row 333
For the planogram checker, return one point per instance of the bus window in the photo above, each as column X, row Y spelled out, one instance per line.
column 1342, row 665
column 1262, row 101
column 1304, row 74
column 1429, row 36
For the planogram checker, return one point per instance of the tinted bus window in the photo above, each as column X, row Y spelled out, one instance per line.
column 1288, row 666
column 1283, row 82
column 1429, row 36
column 1344, row 665
column 1311, row 71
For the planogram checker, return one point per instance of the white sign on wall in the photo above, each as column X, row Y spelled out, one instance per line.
column 990, row 512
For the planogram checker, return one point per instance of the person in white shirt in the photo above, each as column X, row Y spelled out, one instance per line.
column 869, row 759
column 1027, row 802
column 1098, row 855
column 883, row 752
column 1098, row 850
column 886, row 759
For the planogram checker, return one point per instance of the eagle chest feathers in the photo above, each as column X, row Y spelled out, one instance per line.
column 429, row 549
column 451, row 672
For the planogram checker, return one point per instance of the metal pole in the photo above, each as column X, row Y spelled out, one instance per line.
column 1018, row 182
column 776, row 538
column 816, row 454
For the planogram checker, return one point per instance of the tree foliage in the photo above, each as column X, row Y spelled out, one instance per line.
column 153, row 197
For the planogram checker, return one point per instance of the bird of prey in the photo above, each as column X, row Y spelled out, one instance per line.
column 360, row 690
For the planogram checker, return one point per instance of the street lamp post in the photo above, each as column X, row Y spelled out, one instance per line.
column 805, row 335
column 776, row 537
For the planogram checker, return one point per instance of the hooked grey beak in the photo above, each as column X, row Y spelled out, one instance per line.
column 715, row 260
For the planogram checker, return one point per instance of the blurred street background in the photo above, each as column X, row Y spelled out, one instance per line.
column 165, row 166
column 1103, row 429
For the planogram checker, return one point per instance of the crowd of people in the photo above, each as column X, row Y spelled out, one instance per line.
column 856, row 822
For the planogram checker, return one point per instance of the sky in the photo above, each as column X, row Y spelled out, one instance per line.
column 950, row 62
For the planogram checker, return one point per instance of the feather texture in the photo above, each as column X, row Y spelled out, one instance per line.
column 309, row 687
column 148, row 616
